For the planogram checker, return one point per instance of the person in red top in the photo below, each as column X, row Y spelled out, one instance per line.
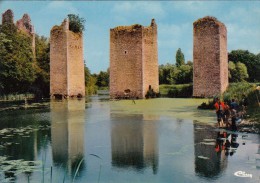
column 220, row 106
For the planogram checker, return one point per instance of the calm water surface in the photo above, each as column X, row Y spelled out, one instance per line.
column 160, row 140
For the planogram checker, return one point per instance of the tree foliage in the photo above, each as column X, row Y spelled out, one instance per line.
column 171, row 74
column 251, row 61
column 90, row 82
column 180, row 60
column 76, row 24
column 237, row 72
column 103, row 79
column 41, row 85
column 20, row 72
column 17, row 69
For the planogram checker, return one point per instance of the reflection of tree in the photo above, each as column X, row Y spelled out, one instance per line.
column 68, row 133
column 27, row 133
column 212, row 163
column 133, row 142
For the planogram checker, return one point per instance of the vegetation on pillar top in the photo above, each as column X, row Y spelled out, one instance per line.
column 76, row 24
column 128, row 28
column 207, row 21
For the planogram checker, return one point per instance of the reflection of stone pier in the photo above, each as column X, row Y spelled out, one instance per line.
column 134, row 142
column 67, row 131
column 212, row 163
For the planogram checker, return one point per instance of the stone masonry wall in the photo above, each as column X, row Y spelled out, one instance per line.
column 133, row 60
column 150, row 59
column 75, row 61
column 210, row 64
column 126, row 60
column 67, row 76
column 8, row 17
column 58, row 60
column 25, row 25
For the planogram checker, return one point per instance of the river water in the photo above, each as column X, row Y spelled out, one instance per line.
column 157, row 140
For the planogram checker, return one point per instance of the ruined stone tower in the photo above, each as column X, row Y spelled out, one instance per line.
column 8, row 17
column 133, row 60
column 67, row 77
column 210, row 57
column 23, row 25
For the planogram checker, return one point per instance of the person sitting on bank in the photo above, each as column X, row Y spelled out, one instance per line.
column 220, row 106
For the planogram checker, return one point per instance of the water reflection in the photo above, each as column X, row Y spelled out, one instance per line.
column 212, row 148
column 67, row 131
column 210, row 158
column 134, row 142
column 24, row 135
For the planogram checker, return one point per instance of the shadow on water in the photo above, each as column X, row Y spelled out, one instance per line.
column 134, row 142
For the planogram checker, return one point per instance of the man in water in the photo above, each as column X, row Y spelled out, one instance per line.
column 220, row 106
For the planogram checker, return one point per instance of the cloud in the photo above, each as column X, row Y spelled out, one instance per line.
column 243, row 37
column 174, row 36
column 135, row 8
column 64, row 6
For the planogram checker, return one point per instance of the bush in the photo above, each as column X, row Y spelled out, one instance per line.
column 180, row 91
column 76, row 24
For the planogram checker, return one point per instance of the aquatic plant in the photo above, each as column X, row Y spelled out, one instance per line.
column 16, row 167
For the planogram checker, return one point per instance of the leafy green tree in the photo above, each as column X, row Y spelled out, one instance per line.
column 166, row 74
column 237, row 72
column 231, row 70
column 76, row 24
column 41, row 85
column 17, row 69
column 184, row 74
column 180, row 60
column 103, row 79
column 90, row 82
column 251, row 61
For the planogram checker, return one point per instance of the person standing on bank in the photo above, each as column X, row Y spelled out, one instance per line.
column 220, row 106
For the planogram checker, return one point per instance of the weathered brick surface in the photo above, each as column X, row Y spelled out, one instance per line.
column 210, row 61
column 8, row 17
column 24, row 25
column 133, row 59
column 66, row 62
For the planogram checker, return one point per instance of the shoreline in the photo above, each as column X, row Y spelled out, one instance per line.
column 248, row 126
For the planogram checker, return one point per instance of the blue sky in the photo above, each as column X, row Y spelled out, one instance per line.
column 174, row 20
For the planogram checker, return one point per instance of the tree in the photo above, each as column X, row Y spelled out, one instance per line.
column 251, row 61
column 103, row 79
column 76, row 24
column 180, row 60
column 184, row 75
column 237, row 72
column 171, row 74
column 90, row 82
column 17, row 69
column 166, row 74
column 41, row 85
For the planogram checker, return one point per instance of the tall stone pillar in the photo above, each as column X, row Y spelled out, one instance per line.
column 210, row 57
column 67, row 78
column 133, row 60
